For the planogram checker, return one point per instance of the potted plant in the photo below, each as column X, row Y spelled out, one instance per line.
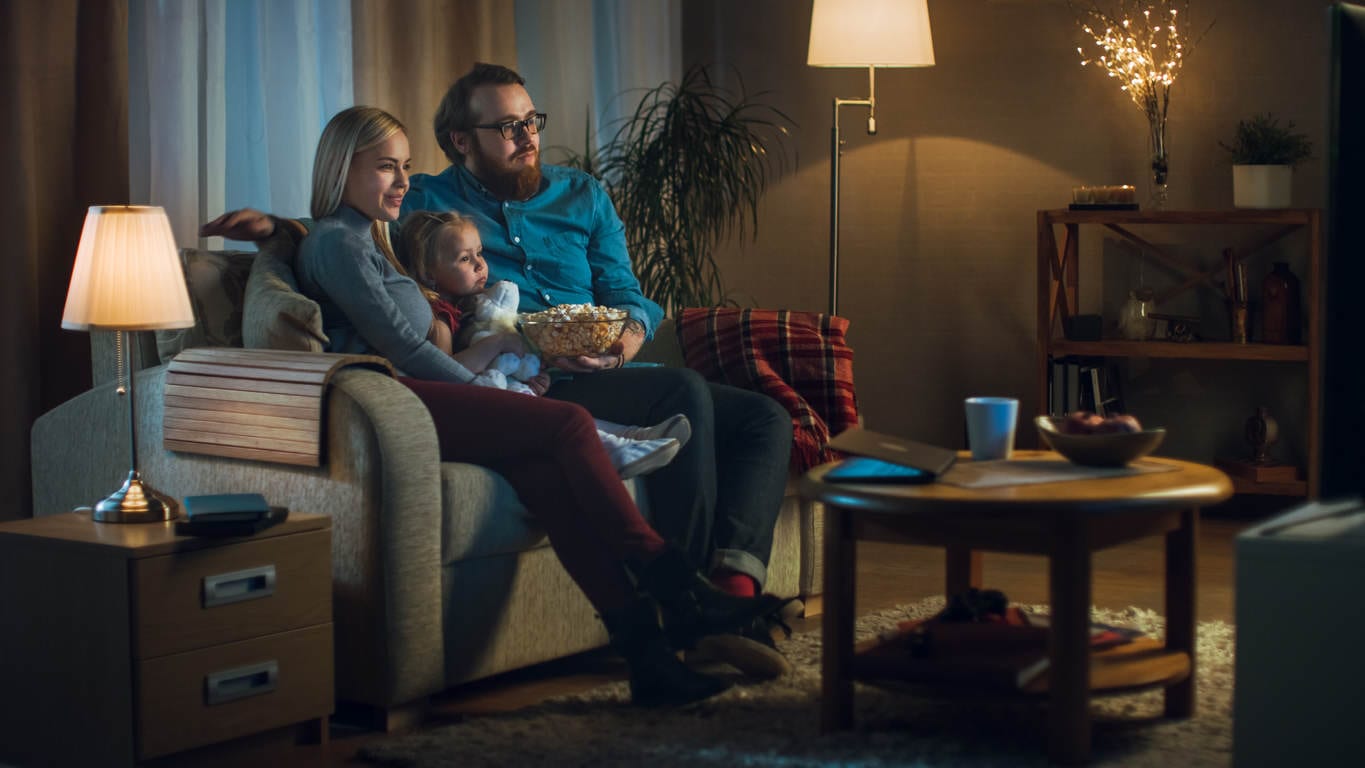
column 1264, row 154
column 685, row 170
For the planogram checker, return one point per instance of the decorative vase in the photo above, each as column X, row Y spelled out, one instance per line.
column 1262, row 186
column 1160, row 160
column 1280, row 306
column 1262, row 431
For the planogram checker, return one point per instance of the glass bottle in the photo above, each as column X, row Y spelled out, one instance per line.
column 1280, row 313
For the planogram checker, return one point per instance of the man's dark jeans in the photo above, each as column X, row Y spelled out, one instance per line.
column 719, row 498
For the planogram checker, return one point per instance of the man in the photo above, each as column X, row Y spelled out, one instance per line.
column 555, row 233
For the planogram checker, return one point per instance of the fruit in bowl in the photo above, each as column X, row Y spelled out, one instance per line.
column 1095, row 441
column 570, row 330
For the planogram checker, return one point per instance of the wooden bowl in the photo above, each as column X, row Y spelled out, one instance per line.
column 1115, row 449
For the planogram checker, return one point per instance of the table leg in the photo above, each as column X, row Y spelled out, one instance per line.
column 836, row 624
column 962, row 569
column 1180, row 609
column 1069, row 647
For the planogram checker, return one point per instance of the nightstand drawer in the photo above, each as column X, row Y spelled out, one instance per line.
column 220, row 594
column 258, row 684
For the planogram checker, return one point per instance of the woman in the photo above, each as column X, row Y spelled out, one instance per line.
column 547, row 449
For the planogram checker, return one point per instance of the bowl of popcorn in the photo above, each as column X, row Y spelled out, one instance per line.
column 570, row 330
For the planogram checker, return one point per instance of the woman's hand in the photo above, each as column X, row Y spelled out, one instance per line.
column 241, row 224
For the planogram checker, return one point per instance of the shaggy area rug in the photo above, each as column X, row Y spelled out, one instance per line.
column 776, row 723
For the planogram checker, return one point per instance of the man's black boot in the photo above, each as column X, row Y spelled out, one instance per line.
column 657, row 677
column 694, row 608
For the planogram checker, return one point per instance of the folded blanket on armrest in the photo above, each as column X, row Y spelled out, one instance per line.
column 799, row 359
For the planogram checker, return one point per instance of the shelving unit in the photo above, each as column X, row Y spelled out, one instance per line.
column 1058, row 298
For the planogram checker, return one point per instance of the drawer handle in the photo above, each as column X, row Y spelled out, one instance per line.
column 225, row 588
column 241, row 682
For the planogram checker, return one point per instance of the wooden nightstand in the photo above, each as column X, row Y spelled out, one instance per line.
column 122, row 643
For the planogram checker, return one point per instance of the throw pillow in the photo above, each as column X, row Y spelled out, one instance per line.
column 276, row 315
column 217, row 282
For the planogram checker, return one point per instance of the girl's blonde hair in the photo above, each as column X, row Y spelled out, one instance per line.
column 421, row 244
column 349, row 132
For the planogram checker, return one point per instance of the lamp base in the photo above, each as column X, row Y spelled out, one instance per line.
column 136, row 502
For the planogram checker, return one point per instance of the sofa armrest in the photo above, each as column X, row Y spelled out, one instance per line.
column 380, row 483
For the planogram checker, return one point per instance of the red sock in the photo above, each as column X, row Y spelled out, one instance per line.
column 735, row 583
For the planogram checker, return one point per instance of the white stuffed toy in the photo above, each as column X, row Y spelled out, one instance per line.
column 490, row 312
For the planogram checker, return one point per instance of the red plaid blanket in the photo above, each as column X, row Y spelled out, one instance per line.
column 798, row 358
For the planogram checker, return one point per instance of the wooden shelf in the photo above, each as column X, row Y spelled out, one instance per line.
column 1234, row 216
column 1197, row 350
column 1058, row 300
column 1141, row 663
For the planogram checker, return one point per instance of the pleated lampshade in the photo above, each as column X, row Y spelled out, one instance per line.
column 127, row 274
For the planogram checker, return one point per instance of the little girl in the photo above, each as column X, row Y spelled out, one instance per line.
column 444, row 254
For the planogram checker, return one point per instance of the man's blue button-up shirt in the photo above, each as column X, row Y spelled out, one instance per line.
column 565, row 245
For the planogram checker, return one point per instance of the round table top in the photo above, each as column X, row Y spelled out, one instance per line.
column 1178, row 484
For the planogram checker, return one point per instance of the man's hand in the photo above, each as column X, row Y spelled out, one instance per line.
column 622, row 352
column 242, row 224
column 539, row 384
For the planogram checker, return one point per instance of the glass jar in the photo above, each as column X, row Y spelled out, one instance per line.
column 1136, row 322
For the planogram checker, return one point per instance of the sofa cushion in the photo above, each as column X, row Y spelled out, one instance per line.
column 217, row 282
column 276, row 315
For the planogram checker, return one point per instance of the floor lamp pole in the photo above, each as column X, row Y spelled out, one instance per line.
column 835, row 149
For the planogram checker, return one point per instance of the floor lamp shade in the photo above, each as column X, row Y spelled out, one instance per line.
column 870, row 33
column 863, row 34
column 128, row 277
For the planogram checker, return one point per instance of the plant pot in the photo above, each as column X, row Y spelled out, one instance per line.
column 1262, row 186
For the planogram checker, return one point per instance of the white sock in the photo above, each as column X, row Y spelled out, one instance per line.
column 638, row 457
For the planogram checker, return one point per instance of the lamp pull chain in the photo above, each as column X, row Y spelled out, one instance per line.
column 122, row 388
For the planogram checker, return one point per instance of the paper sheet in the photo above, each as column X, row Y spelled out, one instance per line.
column 993, row 474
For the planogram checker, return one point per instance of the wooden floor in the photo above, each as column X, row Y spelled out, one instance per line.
column 887, row 575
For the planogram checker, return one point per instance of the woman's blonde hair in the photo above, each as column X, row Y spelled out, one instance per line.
column 421, row 244
column 349, row 132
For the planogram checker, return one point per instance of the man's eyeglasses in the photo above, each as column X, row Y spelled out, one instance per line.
column 513, row 128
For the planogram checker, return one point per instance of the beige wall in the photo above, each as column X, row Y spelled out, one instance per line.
column 938, row 209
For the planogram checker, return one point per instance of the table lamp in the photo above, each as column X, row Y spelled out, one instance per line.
column 128, row 278
column 863, row 33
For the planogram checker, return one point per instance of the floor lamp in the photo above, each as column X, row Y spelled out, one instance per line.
column 871, row 34
column 128, row 277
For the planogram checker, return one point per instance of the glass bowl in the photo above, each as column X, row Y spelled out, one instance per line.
column 1112, row 449
column 576, row 336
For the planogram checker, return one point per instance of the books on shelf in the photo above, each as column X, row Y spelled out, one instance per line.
column 1083, row 384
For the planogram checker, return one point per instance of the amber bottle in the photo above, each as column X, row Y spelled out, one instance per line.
column 1280, row 314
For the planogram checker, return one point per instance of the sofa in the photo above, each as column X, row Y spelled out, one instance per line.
column 439, row 577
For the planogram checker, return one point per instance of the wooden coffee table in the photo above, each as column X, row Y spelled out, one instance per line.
column 1066, row 522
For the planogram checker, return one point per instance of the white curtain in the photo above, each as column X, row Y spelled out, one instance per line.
column 588, row 62
column 227, row 99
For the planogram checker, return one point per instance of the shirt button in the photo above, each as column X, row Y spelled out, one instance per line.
column 546, row 296
column 516, row 239
column 529, row 267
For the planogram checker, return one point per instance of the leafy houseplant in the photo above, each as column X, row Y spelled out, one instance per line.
column 1264, row 154
column 1262, row 141
column 685, row 170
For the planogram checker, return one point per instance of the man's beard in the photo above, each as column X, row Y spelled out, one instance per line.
column 515, row 185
